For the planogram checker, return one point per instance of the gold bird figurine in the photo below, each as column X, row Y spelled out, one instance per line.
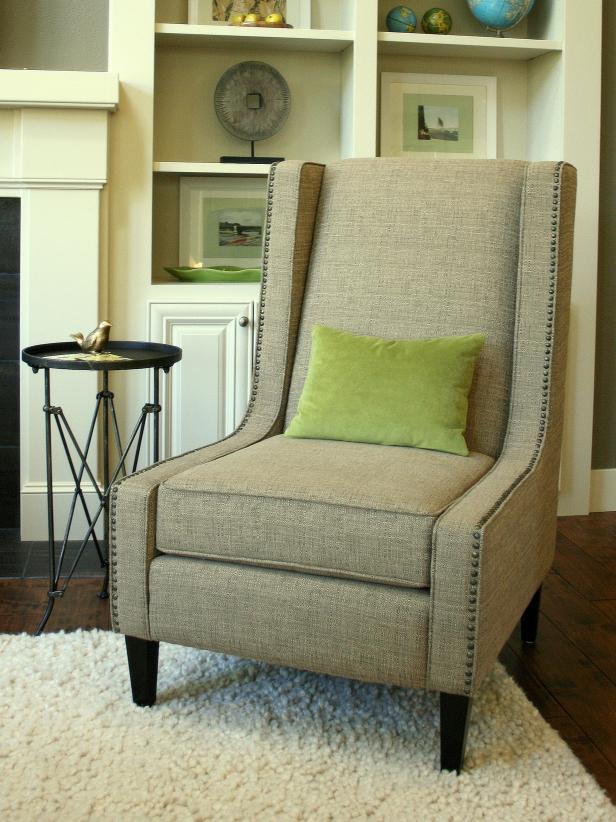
column 96, row 341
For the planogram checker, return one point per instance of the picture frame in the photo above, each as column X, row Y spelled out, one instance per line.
column 438, row 115
column 297, row 13
column 222, row 221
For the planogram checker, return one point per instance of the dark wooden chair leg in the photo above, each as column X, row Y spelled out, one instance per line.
column 455, row 715
column 143, row 668
column 530, row 620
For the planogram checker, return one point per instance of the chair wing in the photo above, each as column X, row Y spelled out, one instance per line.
column 293, row 194
column 493, row 547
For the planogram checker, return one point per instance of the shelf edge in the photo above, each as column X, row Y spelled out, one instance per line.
column 239, row 33
column 471, row 42
column 213, row 169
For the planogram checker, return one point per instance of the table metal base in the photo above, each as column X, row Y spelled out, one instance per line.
column 104, row 410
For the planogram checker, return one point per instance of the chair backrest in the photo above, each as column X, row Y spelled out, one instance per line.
column 406, row 249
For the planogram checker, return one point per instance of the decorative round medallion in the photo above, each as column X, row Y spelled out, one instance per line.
column 252, row 100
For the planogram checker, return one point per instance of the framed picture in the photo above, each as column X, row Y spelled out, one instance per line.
column 295, row 12
column 222, row 221
column 429, row 115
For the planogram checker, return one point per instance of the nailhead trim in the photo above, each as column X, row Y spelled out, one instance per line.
column 114, row 561
column 261, row 322
column 469, row 669
column 251, row 403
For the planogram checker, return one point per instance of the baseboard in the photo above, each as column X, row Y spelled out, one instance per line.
column 603, row 489
column 34, row 511
column 34, row 505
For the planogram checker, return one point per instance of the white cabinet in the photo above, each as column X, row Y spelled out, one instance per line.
column 548, row 73
column 205, row 395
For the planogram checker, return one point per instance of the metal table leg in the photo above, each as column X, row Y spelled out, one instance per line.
column 107, row 399
column 156, row 412
column 51, row 594
column 104, row 408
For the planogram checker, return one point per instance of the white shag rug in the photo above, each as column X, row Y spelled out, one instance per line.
column 231, row 739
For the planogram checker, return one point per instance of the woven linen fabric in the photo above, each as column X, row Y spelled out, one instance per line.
column 376, row 633
column 410, row 249
column 345, row 509
column 492, row 548
column 507, row 229
column 294, row 188
column 391, row 392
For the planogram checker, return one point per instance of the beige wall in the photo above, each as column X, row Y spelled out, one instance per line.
column 604, row 434
column 54, row 34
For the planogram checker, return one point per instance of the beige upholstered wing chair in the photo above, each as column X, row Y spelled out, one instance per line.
column 380, row 563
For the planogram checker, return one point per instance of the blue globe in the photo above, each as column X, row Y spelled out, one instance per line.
column 500, row 15
column 401, row 19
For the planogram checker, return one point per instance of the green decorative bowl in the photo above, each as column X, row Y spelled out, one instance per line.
column 215, row 274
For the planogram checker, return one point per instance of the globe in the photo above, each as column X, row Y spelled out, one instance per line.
column 402, row 19
column 500, row 15
column 436, row 21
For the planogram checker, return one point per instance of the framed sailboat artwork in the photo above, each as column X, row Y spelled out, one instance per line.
column 434, row 115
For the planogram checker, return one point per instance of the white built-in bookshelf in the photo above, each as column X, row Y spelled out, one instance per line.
column 548, row 107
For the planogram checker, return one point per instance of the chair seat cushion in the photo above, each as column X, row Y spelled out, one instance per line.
column 343, row 509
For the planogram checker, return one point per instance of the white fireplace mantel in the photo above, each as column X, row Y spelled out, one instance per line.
column 58, row 89
column 53, row 156
column 53, row 128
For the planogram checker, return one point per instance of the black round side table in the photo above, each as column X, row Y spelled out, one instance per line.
column 118, row 356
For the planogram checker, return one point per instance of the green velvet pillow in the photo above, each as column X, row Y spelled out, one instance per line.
column 391, row 392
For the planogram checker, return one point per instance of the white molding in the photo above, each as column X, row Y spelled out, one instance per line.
column 579, row 133
column 54, row 157
column 64, row 185
column 603, row 489
column 57, row 104
column 59, row 89
column 217, row 35
column 34, row 511
column 58, row 488
column 455, row 45
column 214, row 169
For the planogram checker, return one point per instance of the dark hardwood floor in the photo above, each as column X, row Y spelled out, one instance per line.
column 570, row 675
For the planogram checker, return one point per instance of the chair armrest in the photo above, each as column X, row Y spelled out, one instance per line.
column 490, row 553
column 133, row 529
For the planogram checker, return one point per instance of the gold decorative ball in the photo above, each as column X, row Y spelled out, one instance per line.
column 252, row 19
column 274, row 19
column 237, row 19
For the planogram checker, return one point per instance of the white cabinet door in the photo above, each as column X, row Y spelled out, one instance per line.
column 205, row 395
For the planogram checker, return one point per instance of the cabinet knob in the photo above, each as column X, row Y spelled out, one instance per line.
column 243, row 321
